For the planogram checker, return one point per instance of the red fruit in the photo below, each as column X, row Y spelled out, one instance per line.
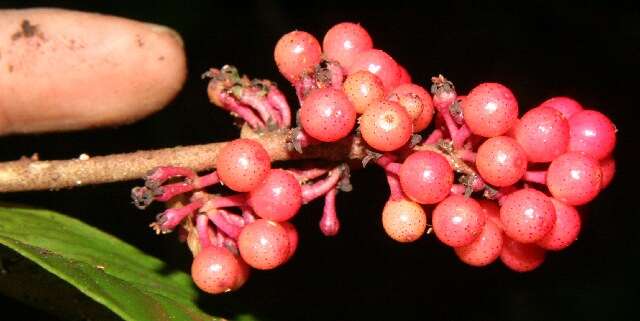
column 521, row 257
column 543, row 133
column 608, row 168
column 574, row 178
column 492, row 211
column 363, row 89
column 378, row 63
column 327, row 114
column 458, row 220
column 527, row 215
column 420, row 123
column 344, row 41
column 426, row 177
column 295, row 53
column 411, row 103
column 403, row 220
column 243, row 164
column 278, row 198
column 293, row 238
column 386, row 126
column 565, row 105
column 490, row 109
column 264, row 244
column 565, row 230
column 592, row 133
column 501, row 161
column 483, row 250
column 216, row 270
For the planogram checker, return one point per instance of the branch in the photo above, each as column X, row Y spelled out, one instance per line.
column 32, row 175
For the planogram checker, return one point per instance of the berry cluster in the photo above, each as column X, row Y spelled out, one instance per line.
column 487, row 183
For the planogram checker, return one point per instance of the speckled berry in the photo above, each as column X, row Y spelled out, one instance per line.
column 363, row 89
column 527, row 215
column 592, row 133
column 386, row 126
column 490, row 109
column 543, row 133
column 216, row 270
column 574, row 178
column 565, row 229
column 243, row 164
column 485, row 249
column 426, row 116
column 344, row 41
column 501, row 161
column 458, row 220
column 264, row 244
column 278, row 198
column 426, row 177
column 404, row 220
column 297, row 52
column 327, row 114
column 565, row 105
column 378, row 63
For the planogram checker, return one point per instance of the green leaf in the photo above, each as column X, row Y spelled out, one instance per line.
column 133, row 285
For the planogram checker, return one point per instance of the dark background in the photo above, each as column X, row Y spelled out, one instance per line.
column 587, row 52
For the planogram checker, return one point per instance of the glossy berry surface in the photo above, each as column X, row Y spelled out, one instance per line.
column 567, row 106
column 565, row 229
column 327, row 114
column 574, row 178
column 243, row 164
column 543, row 133
column 527, row 215
column 264, row 244
column 278, row 198
column 457, row 220
column 297, row 52
column 521, row 257
column 592, row 133
column 386, row 126
column 292, row 232
column 411, row 103
column 426, row 177
column 490, row 109
column 216, row 270
column 363, row 89
column 501, row 161
column 420, row 123
column 404, row 220
column 485, row 249
column 344, row 41
column 378, row 63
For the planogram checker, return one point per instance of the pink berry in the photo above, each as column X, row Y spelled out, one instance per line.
column 292, row 232
column 378, row 63
column 527, row 215
column 405, row 77
column 543, row 133
column 363, row 89
column 483, row 250
column 243, row 164
column 521, row 257
column 386, row 126
column 295, row 53
column 501, row 161
column 458, row 220
column 608, row 168
column 421, row 122
column 574, row 178
column 264, row 244
column 592, row 133
column 216, row 270
column 344, row 41
column 426, row 177
column 565, row 230
column 278, row 198
column 327, row 115
column 565, row 105
column 490, row 109
column 403, row 220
